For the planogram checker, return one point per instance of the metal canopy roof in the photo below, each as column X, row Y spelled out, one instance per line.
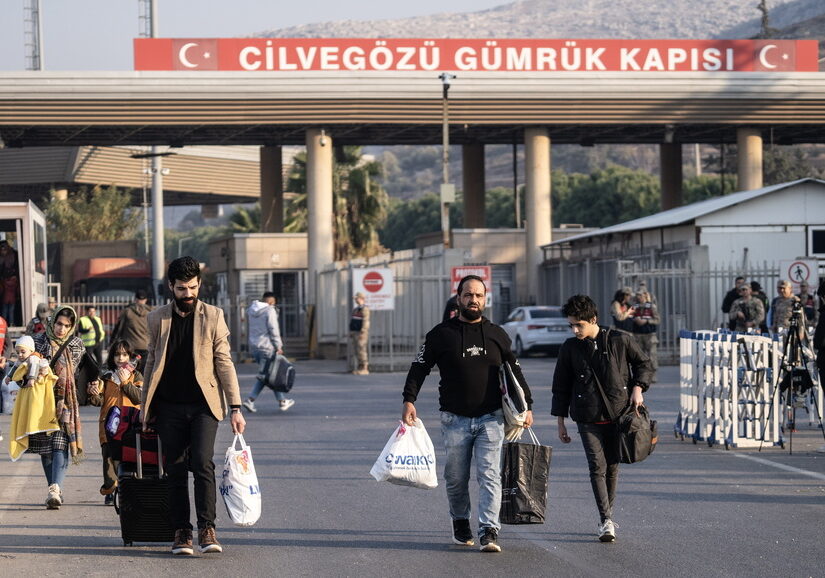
column 240, row 108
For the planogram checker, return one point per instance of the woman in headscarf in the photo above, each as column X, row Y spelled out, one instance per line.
column 64, row 349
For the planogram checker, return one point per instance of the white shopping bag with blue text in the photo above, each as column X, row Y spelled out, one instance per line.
column 239, row 485
column 408, row 458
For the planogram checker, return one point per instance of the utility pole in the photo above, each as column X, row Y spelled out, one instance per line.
column 33, row 35
column 158, row 252
column 447, row 189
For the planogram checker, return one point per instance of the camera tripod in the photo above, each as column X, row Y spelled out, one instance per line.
column 793, row 382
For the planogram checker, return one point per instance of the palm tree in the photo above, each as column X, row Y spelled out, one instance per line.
column 359, row 203
column 246, row 220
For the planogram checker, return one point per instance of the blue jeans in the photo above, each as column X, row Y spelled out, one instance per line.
column 55, row 465
column 465, row 437
column 263, row 362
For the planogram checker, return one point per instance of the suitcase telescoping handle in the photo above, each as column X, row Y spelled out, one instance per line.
column 139, row 456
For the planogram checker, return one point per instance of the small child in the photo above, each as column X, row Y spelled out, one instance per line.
column 121, row 387
column 34, row 364
column 34, row 406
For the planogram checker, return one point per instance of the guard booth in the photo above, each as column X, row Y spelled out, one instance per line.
column 23, row 227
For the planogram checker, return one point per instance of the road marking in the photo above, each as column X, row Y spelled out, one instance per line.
column 765, row 462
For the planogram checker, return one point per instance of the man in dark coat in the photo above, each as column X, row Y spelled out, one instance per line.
column 598, row 358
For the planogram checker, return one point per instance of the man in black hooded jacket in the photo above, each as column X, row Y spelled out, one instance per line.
column 612, row 358
column 468, row 350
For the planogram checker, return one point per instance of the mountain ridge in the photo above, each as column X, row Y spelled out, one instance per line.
column 689, row 19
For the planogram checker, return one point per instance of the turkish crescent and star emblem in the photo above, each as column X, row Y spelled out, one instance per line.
column 195, row 54
column 769, row 56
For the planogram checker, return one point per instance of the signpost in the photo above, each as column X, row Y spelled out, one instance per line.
column 378, row 288
column 800, row 270
column 483, row 271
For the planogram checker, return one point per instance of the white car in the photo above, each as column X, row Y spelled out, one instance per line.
column 536, row 328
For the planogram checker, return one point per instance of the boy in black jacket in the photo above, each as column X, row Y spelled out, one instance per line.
column 468, row 350
column 613, row 359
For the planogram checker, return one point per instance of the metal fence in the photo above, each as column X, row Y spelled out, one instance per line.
column 234, row 310
column 421, row 290
column 689, row 295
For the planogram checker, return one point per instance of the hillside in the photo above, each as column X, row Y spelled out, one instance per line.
column 412, row 171
column 577, row 19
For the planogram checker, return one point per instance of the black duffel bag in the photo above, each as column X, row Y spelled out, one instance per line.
column 279, row 374
column 525, row 475
column 638, row 434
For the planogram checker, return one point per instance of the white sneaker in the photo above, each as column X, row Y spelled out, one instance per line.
column 607, row 531
column 286, row 404
column 250, row 406
column 53, row 500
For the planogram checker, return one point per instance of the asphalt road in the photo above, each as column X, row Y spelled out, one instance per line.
column 689, row 510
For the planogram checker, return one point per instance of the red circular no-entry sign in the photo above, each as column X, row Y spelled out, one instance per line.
column 373, row 281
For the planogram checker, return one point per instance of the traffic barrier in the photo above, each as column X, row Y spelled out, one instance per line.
column 728, row 392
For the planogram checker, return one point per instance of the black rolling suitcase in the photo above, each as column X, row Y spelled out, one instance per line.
column 142, row 501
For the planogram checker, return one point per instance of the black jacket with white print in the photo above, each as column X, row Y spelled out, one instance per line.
column 468, row 356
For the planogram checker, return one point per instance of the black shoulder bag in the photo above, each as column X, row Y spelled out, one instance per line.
column 638, row 434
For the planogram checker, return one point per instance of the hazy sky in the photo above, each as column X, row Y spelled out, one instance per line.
column 97, row 34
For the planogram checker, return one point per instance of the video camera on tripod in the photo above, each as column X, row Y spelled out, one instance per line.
column 796, row 376
column 795, row 382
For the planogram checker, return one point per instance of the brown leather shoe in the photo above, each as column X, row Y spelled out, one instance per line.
column 208, row 541
column 183, row 542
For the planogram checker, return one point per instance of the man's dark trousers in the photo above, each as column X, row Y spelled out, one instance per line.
column 192, row 427
column 601, row 446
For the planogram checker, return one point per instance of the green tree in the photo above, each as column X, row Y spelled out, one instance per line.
column 99, row 214
column 705, row 187
column 787, row 163
column 606, row 197
column 246, row 219
column 359, row 202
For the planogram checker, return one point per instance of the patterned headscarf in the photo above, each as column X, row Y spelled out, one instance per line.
column 50, row 325
column 68, row 410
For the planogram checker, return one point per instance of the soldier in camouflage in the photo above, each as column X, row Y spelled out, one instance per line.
column 782, row 306
column 747, row 312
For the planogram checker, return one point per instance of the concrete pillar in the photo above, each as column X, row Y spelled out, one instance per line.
column 536, row 203
column 749, row 153
column 272, row 190
column 319, row 207
column 670, row 174
column 472, row 165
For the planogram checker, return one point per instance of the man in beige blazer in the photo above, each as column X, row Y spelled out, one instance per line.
column 189, row 381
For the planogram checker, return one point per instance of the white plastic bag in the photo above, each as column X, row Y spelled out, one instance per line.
column 408, row 458
column 9, row 392
column 239, row 485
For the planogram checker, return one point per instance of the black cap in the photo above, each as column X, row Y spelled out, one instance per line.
column 140, row 294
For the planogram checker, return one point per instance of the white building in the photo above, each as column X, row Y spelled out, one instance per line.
column 690, row 255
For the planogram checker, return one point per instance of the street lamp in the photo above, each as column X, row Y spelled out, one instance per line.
column 180, row 245
column 447, row 189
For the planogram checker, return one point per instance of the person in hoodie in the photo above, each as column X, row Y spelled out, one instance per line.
column 133, row 326
column 468, row 350
column 265, row 344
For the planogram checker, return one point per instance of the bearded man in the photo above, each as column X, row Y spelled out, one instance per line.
column 468, row 350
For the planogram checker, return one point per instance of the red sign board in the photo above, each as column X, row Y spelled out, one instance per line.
column 475, row 55
column 483, row 271
column 373, row 281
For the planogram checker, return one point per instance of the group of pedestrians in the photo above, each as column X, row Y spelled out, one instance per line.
column 190, row 385
column 468, row 350
column 638, row 313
